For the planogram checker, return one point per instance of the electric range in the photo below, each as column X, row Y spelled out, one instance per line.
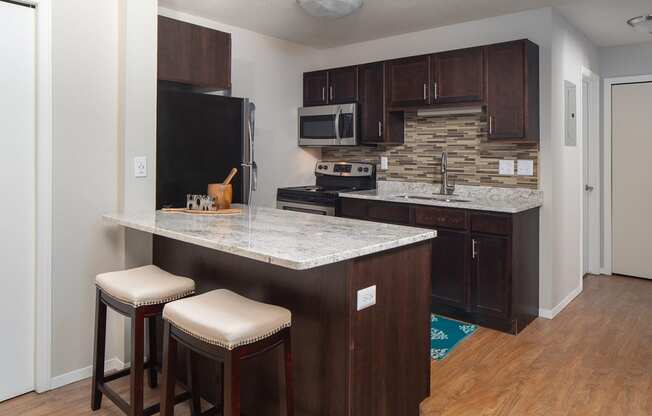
column 332, row 178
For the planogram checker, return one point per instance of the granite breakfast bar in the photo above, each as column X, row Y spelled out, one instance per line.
column 345, row 361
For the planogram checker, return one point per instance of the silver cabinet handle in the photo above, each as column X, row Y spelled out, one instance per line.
column 425, row 92
column 491, row 124
column 331, row 92
column 323, row 93
column 380, row 129
column 436, row 91
column 474, row 249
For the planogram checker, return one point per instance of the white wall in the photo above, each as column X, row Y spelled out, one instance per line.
column 85, row 147
column 268, row 71
column 571, row 50
column 622, row 61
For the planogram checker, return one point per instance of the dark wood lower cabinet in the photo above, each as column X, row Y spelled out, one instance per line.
column 450, row 270
column 485, row 266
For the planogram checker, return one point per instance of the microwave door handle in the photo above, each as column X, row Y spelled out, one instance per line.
column 337, row 123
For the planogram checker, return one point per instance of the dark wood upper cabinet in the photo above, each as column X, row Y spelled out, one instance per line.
column 512, row 79
column 211, row 63
column 193, row 55
column 457, row 76
column 408, row 81
column 343, row 85
column 371, row 94
column 315, row 86
column 174, row 50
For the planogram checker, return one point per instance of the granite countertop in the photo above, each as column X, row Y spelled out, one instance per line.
column 289, row 239
column 481, row 198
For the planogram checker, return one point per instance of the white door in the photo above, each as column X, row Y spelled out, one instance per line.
column 17, row 210
column 632, row 179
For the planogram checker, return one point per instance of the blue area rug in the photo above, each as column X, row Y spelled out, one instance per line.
column 446, row 334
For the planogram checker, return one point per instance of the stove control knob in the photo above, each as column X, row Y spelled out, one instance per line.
column 366, row 169
column 359, row 169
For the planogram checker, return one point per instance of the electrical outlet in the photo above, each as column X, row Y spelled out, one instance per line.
column 525, row 168
column 366, row 297
column 140, row 167
column 384, row 163
column 506, row 167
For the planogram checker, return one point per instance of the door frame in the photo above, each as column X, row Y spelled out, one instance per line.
column 43, row 189
column 607, row 267
column 593, row 158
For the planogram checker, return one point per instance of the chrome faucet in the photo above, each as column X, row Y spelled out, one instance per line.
column 445, row 188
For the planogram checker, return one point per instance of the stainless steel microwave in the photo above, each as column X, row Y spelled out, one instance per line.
column 329, row 125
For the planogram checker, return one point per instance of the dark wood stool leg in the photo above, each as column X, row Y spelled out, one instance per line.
column 98, row 351
column 193, row 382
column 137, row 362
column 152, row 375
column 169, row 367
column 231, row 384
column 289, row 386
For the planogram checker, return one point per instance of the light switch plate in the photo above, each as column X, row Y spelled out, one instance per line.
column 525, row 167
column 140, row 167
column 384, row 163
column 506, row 167
column 366, row 297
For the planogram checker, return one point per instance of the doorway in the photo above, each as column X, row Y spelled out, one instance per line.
column 18, row 184
column 590, row 136
column 631, row 175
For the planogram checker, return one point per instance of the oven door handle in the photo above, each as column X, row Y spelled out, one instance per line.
column 307, row 208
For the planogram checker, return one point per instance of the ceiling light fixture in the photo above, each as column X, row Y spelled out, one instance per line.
column 641, row 23
column 330, row 8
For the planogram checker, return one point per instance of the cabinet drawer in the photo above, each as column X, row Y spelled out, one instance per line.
column 388, row 212
column 353, row 208
column 440, row 217
column 491, row 224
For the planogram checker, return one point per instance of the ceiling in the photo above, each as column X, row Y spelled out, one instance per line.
column 602, row 20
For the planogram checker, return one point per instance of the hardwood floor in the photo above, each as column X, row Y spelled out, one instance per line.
column 595, row 358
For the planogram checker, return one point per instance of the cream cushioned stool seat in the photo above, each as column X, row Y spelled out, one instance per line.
column 147, row 285
column 226, row 319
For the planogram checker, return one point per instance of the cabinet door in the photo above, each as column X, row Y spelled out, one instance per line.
column 174, row 50
column 506, row 90
column 372, row 106
column 450, row 277
column 407, row 81
column 490, row 275
column 211, row 58
column 315, row 85
column 343, row 85
column 458, row 76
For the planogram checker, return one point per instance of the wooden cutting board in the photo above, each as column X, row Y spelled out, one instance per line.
column 230, row 211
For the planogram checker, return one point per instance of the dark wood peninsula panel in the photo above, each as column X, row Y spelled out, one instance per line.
column 485, row 266
column 502, row 78
column 193, row 55
column 346, row 362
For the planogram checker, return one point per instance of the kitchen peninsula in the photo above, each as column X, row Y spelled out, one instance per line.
column 347, row 360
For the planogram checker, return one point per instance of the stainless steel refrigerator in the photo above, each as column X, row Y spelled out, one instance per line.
column 200, row 137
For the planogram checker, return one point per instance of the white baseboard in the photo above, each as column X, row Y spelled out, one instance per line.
column 551, row 313
column 83, row 373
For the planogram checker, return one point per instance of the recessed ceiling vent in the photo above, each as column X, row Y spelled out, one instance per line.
column 641, row 23
column 333, row 9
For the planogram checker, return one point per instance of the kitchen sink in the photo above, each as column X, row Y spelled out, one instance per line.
column 442, row 198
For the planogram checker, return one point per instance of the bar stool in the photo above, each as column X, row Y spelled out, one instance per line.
column 227, row 328
column 139, row 294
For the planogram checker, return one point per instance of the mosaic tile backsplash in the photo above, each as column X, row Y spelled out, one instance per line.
column 472, row 159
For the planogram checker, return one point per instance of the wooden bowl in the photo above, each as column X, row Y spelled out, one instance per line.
column 223, row 195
